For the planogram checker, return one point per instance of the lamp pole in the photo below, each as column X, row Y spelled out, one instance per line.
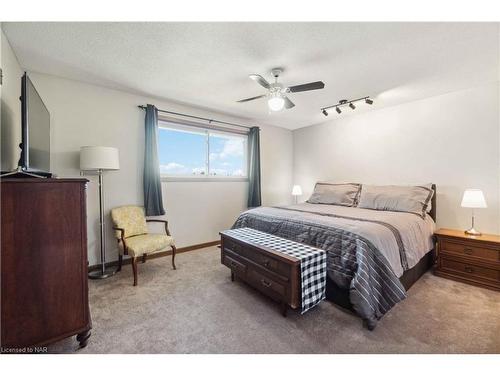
column 102, row 273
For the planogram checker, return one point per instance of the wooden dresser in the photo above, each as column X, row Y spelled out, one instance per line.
column 471, row 259
column 44, row 262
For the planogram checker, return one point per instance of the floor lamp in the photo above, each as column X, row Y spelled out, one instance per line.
column 99, row 159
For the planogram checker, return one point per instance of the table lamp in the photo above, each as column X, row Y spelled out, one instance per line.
column 473, row 198
column 296, row 192
column 98, row 158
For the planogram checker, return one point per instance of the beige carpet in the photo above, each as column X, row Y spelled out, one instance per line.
column 197, row 309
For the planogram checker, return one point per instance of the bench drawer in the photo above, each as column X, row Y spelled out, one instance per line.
column 268, row 286
column 258, row 257
column 235, row 265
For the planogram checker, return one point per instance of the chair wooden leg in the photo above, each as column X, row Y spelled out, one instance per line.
column 120, row 261
column 134, row 269
column 144, row 258
column 174, row 250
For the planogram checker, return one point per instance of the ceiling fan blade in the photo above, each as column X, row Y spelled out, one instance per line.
column 288, row 103
column 260, row 80
column 248, row 99
column 307, row 86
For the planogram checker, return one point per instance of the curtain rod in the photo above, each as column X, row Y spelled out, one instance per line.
column 200, row 118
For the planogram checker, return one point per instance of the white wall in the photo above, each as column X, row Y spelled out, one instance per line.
column 10, row 107
column 451, row 140
column 83, row 114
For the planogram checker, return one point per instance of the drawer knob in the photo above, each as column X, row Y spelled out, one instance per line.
column 233, row 264
column 469, row 269
column 468, row 251
column 266, row 263
column 266, row 283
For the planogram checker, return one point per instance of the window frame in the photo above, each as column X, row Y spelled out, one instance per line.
column 187, row 126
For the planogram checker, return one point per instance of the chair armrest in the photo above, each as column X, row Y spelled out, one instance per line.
column 122, row 234
column 160, row 221
column 121, row 230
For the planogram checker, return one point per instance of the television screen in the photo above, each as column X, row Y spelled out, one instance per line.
column 36, row 129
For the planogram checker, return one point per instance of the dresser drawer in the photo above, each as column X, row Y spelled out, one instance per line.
column 258, row 257
column 464, row 249
column 469, row 270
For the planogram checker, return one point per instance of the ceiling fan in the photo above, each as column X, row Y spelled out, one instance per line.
column 277, row 93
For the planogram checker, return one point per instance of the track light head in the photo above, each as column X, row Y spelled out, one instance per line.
column 352, row 106
column 325, row 112
column 339, row 111
column 368, row 101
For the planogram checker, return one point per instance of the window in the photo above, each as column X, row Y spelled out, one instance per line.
column 188, row 151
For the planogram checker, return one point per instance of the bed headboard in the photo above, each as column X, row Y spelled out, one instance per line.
column 433, row 202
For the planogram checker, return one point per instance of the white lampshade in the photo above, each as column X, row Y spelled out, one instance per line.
column 296, row 190
column 93, row 158
column 473, row 198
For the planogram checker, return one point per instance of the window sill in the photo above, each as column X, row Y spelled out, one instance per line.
column 203, row 179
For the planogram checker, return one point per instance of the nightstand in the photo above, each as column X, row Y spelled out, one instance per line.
column 471, row 259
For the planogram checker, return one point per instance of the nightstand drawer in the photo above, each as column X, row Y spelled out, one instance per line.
column 469, row 270
column 464, row 249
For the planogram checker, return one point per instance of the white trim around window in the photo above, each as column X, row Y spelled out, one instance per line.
column 217, row 155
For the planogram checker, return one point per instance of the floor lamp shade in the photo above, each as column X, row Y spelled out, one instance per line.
column 93, row 158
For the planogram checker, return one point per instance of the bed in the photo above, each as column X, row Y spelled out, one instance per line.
column 373, row 256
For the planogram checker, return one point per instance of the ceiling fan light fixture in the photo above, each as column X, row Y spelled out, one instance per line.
column 276, row 102
column 277, row 98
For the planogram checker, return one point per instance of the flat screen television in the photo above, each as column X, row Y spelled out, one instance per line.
column 35, row 119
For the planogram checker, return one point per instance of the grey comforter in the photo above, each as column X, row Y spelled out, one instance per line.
column 367, row 250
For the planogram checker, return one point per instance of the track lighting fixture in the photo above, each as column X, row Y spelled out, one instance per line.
column 345, row 103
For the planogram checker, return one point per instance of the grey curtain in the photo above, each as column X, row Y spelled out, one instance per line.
column 254, row 198
column 153, row 202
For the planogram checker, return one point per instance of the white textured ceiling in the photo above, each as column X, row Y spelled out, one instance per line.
column 207, row 64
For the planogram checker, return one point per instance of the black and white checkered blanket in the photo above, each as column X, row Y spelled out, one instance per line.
column 312, row 262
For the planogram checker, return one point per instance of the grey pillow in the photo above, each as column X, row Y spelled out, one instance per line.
column 413, row 199
column 338, row 194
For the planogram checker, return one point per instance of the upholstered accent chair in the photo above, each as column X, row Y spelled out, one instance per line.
column 134, row 239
